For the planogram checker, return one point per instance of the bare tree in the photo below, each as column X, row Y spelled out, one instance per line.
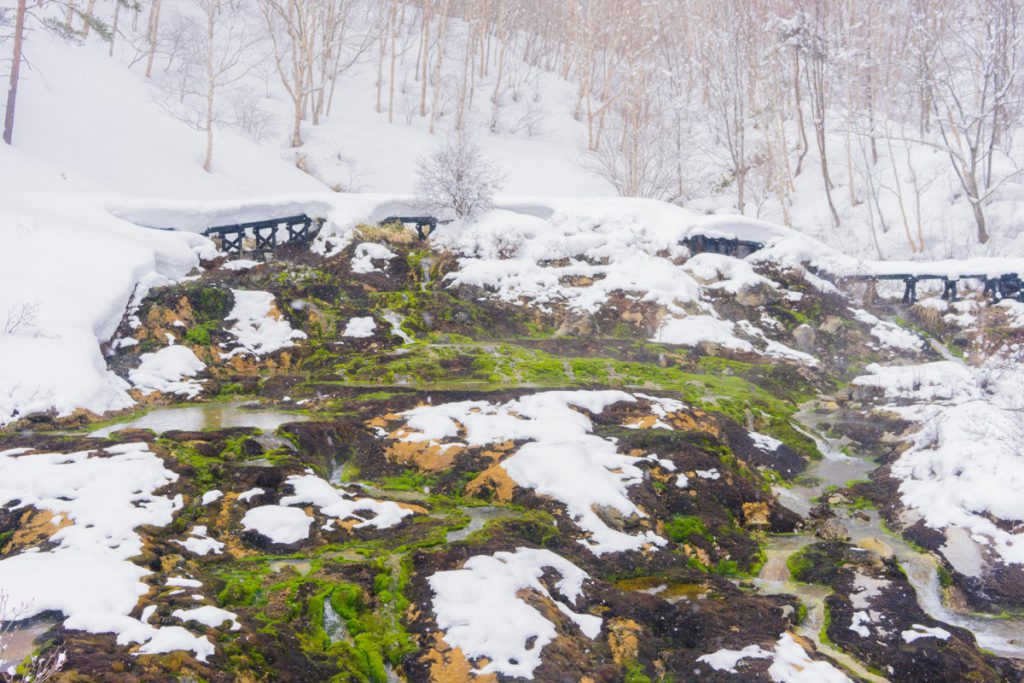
column 457, row 178
column 21, row 318
column 16, row 59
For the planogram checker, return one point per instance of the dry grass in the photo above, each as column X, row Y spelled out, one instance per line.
column 392, row 233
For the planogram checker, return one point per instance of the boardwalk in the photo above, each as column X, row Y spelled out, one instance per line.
column 300, row 229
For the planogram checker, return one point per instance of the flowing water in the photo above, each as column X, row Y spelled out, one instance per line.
column 478, row 518
column 206, row 416
column 395, row 319
column 1003, row 636
column 334, row 626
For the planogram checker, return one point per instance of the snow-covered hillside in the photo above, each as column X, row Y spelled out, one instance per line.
column 89, row 121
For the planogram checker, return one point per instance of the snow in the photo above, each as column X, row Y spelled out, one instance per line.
column 918, row 631
column 764, row 442
column 246, row 496
column 259, row 327
column 240, row 264
column 790, row 662
column 184, row 582
column 726, row 660
column 165, row 371
column 562, row 459
column 172, row 638
column 360, row 328
column 858, row 623
column 211, row 496
column 792, row 665
column 726, row 273
column 279, row 523
column 334, row 502
column 479, row 609
column 368, row 252
column 74, row 268
column 699, row 329
column 890, row 334
column 963, row 466
column 208, row 615
column 88, row 575
column 200, row 543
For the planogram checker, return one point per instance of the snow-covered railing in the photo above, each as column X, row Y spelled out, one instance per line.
column 300, row 229
column 1007, row 285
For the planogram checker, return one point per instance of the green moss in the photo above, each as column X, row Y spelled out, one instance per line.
column 801, row 612
column 199, row 335
column 945, row 578
column 681, row 527
column 243, row 586
column 635, row 673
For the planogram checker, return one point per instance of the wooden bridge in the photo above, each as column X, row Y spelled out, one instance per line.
column 728, row 246
column 425, row 225
column 300, row 230
column 1006, row 286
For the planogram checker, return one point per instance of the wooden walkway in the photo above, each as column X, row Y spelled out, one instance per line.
column 300, row 230
column 1006, row 286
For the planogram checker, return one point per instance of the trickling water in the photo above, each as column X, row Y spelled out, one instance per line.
column 426, row 263
column 1003, row 636
column 334, row 626
column 395, row 319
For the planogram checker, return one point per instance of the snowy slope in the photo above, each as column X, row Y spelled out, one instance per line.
column 69, row 271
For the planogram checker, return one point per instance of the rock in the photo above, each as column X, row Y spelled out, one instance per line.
column 831, row 325
column 805, row 337
column 877, row 546
column 831, row 530
column 751, row 297
column 756, row 514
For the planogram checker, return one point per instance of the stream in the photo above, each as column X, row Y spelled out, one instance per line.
column 1004, row 636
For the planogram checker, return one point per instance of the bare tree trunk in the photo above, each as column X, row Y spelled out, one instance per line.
column 804, row 145
column 441, row 29
column 12, row 90
column 211, row 13
column 86, row 17
column 425, row 57
column 113, row 28
column 393, row 30
column 154, row 29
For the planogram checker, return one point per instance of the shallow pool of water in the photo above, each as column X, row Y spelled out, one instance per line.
column 206, row 416
column 478, row 518
column 20, row 641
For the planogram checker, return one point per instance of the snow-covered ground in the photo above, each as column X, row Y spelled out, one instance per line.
column 481, row 611
column 964, row 469
column 95, row 501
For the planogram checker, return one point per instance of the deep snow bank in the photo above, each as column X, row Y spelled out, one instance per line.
column 68, row 271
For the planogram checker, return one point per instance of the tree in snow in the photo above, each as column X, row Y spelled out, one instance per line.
column 457, row 177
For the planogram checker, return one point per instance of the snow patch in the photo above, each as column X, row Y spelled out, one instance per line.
column 479, row 609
